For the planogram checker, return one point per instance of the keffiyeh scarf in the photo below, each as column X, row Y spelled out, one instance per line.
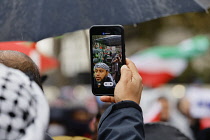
column 24, row 111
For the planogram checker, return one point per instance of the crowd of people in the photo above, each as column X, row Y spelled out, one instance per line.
column 109, row 62
column 34, row 120
column 24, row 111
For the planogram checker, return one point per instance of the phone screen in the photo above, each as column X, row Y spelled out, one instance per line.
column 107, row 57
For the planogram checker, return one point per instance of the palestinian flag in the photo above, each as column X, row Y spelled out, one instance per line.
column 158, row 65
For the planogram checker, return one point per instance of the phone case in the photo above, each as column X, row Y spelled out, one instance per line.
column 107, row 51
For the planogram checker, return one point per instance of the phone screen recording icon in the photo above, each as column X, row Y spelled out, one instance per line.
column 108, row 84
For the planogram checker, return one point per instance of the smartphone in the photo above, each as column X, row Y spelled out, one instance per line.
column 107, row 55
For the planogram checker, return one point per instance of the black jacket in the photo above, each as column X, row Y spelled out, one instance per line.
column 122, row 121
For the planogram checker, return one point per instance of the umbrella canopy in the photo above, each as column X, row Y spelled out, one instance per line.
column 35, row 20
column 114, row 40
column 44, row 63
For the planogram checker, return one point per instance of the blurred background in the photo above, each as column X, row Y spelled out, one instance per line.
column 172, row 55
column 180, row 96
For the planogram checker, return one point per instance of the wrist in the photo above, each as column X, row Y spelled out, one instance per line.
column 126, row 104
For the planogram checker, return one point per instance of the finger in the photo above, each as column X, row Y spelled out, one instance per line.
column 107, row 99
column 133, row 68
column 126, row 74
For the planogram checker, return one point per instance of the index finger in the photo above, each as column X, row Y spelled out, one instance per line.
column 107, row 99
column 132, row 66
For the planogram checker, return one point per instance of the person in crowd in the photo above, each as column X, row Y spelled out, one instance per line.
column 163, row 131
column 24, row 110
column 116, row 63
column 102, row 75
column 21, row 61
column 24, row 63
column 183, row 105
column 123, row 119
column 165, row 108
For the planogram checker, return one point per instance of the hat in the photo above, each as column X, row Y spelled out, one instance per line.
column 101, row 65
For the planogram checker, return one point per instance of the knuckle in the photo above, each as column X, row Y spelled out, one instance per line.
column 139, row 77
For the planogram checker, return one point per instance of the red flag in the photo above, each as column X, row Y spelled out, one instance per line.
column 44, row 63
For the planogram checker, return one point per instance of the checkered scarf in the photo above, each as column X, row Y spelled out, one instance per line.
column 24, row 111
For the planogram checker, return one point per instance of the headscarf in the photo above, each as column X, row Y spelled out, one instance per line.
column 24, row 111
column 101, row 65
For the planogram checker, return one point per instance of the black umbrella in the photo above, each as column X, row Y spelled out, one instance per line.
column 114, row 40
column 33, row 20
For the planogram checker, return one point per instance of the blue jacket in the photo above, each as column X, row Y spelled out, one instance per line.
column 122, row 121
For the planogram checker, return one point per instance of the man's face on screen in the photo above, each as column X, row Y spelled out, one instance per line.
column 100, row 74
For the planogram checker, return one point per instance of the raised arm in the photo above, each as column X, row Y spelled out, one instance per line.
column 123, row 119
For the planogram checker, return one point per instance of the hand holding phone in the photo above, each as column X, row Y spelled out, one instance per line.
column 129, row 87
column 107, row 50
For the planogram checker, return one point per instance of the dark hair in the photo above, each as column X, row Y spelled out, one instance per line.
column 163, row 131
